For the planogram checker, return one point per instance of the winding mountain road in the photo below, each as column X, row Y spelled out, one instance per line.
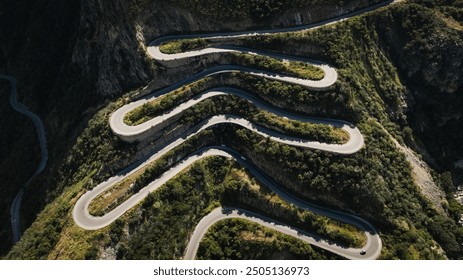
column 16, row 205
column 128, row 133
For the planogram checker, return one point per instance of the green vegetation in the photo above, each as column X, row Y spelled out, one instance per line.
column 161, row 105
column 111, row 198
column 244, row 190
column 179, row 46
column 358, row 182
column 288, row 127
column 228, row 179
column 290, row 68
column 455, row 209
column 450, row 8
column 232, row 105
column 53, row 236
column 452, row 206
column 375, row 183
column 97, row 151
column 305, row 70
column 95, row 155
column 201, row 188
column 236, row 106
column 259, row 11
column 406, row 41
column 239, row 239
column 370, row 86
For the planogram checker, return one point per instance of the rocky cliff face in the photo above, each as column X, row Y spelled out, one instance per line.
column 39, row 65
column 318, row 12
column 431, row 62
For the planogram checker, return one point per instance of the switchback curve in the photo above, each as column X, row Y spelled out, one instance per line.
column 132, row 133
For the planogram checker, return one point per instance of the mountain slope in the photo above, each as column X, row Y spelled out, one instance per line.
column 385, row 81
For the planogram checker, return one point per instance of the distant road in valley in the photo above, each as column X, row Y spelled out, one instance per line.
column 16, row 205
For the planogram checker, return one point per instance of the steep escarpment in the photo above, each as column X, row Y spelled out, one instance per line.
column 430, row 58
column 99, row 55
column 36, row 63
column 242, row 14
column 68, row 58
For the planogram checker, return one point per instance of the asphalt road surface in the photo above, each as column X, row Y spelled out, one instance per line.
column 129, row 133
column 16, row 205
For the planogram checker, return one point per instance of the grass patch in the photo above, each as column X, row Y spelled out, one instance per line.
column 54, row 234
column 109, row 199
column 291, row 68
column 304, row 70
column 161, row 105
column 183, row 45
column 300, row 129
